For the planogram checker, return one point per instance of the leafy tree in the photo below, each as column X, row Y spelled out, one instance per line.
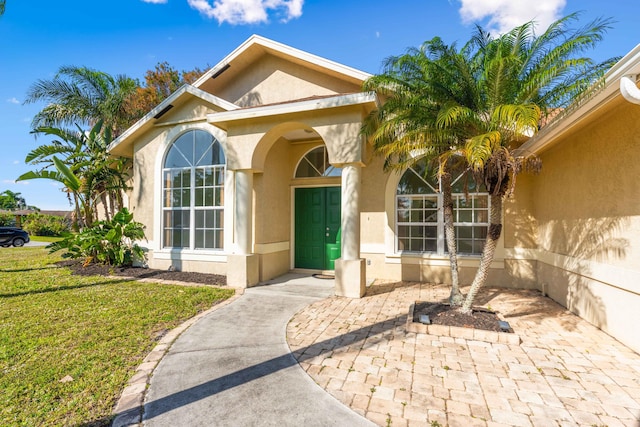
column 7, row 219
column 471, row 108
column 81, row 95
column 81, row 163
column 109, row 242
column 2, row 6
column 12, row 201
column 159, row 84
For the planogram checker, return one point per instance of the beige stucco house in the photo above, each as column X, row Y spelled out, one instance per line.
column 259, row 168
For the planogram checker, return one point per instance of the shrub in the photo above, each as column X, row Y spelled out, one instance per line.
column 107, row 242
column 7, row 220
column 45, row 225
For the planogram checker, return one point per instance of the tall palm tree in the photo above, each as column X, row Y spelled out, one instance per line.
column 479, row 103
column 415, row 88
column 81, row 95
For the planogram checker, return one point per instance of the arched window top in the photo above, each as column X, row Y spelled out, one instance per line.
column 316, row 164
column 194, row 148
column 421, row 179
column 418, row 179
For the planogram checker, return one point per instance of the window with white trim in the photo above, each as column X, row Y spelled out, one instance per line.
column 420, row 213
column 193, row 193
column 316, row 164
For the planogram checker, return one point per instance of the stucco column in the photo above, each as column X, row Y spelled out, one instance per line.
column 350, row 268
column 350, row 221
column 243, row 265
column 243, row 211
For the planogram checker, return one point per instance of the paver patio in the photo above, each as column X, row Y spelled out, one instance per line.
column 566, row 372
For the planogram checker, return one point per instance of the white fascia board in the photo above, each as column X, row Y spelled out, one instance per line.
column 286, row 50
column 184, row 89
column 628, row 65
column 294, row 107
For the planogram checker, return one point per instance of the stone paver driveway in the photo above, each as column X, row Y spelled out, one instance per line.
column 565, row 372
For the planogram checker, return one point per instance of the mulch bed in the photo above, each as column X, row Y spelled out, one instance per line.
column 93, row 269
column 444, row 314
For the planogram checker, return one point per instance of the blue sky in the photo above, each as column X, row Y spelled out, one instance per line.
column 132, row 36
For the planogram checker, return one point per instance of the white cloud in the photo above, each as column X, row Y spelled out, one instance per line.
column 156, row 1
column 248, row 11
column 13, row 181
column 16, row 162
column 13, row 100
column 503, row 15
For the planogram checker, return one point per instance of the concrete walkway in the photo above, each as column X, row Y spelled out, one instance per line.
column 234, row 368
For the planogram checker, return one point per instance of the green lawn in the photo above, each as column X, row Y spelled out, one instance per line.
column 96, row 330
column 44, row 238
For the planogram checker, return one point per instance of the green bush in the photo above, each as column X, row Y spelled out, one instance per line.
column 7, row 220
column 106, row 242
column 45, row 225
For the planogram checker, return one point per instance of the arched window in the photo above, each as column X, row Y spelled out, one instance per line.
column 193, row 192
column 315, row 164
column 420, row 217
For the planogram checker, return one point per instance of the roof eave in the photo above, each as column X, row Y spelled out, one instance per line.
column 366, row 99
column 628, row 65
column 146, row 121
column 286, row 50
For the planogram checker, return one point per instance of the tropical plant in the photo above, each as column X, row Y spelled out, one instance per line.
column 12, row 201
column 471, row 108
column 81, row 163
column 7, row 219
column 81, row 95
column 110, row 242
column 38, row 224
column 3, row 3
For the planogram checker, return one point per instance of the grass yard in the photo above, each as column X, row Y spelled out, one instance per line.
column 93, row 329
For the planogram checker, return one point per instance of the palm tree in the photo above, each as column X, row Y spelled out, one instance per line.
column 12, row 201
column 2, row 6
column 81, row 95
column 81, row 163
column 416, row 87
column 478, row 104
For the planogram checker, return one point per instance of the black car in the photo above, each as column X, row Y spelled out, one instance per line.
column 13, row 236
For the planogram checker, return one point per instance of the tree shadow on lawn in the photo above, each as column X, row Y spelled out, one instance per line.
column 63, row 288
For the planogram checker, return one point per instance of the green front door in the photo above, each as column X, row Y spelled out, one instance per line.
column 317, row 220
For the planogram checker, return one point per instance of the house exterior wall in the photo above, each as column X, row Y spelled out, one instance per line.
column 588, row 212
column 573, row 231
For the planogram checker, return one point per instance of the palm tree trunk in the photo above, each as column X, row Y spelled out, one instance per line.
column 456, row 297
column 493, row 234
column 77, row 215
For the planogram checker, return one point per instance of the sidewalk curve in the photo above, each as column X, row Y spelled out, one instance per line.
column 234, row 368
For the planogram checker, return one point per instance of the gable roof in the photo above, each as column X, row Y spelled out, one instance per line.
column 256, row 46
column 121, row 146
column 591, row 104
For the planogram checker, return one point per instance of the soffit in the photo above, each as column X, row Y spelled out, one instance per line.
column 123, row 145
